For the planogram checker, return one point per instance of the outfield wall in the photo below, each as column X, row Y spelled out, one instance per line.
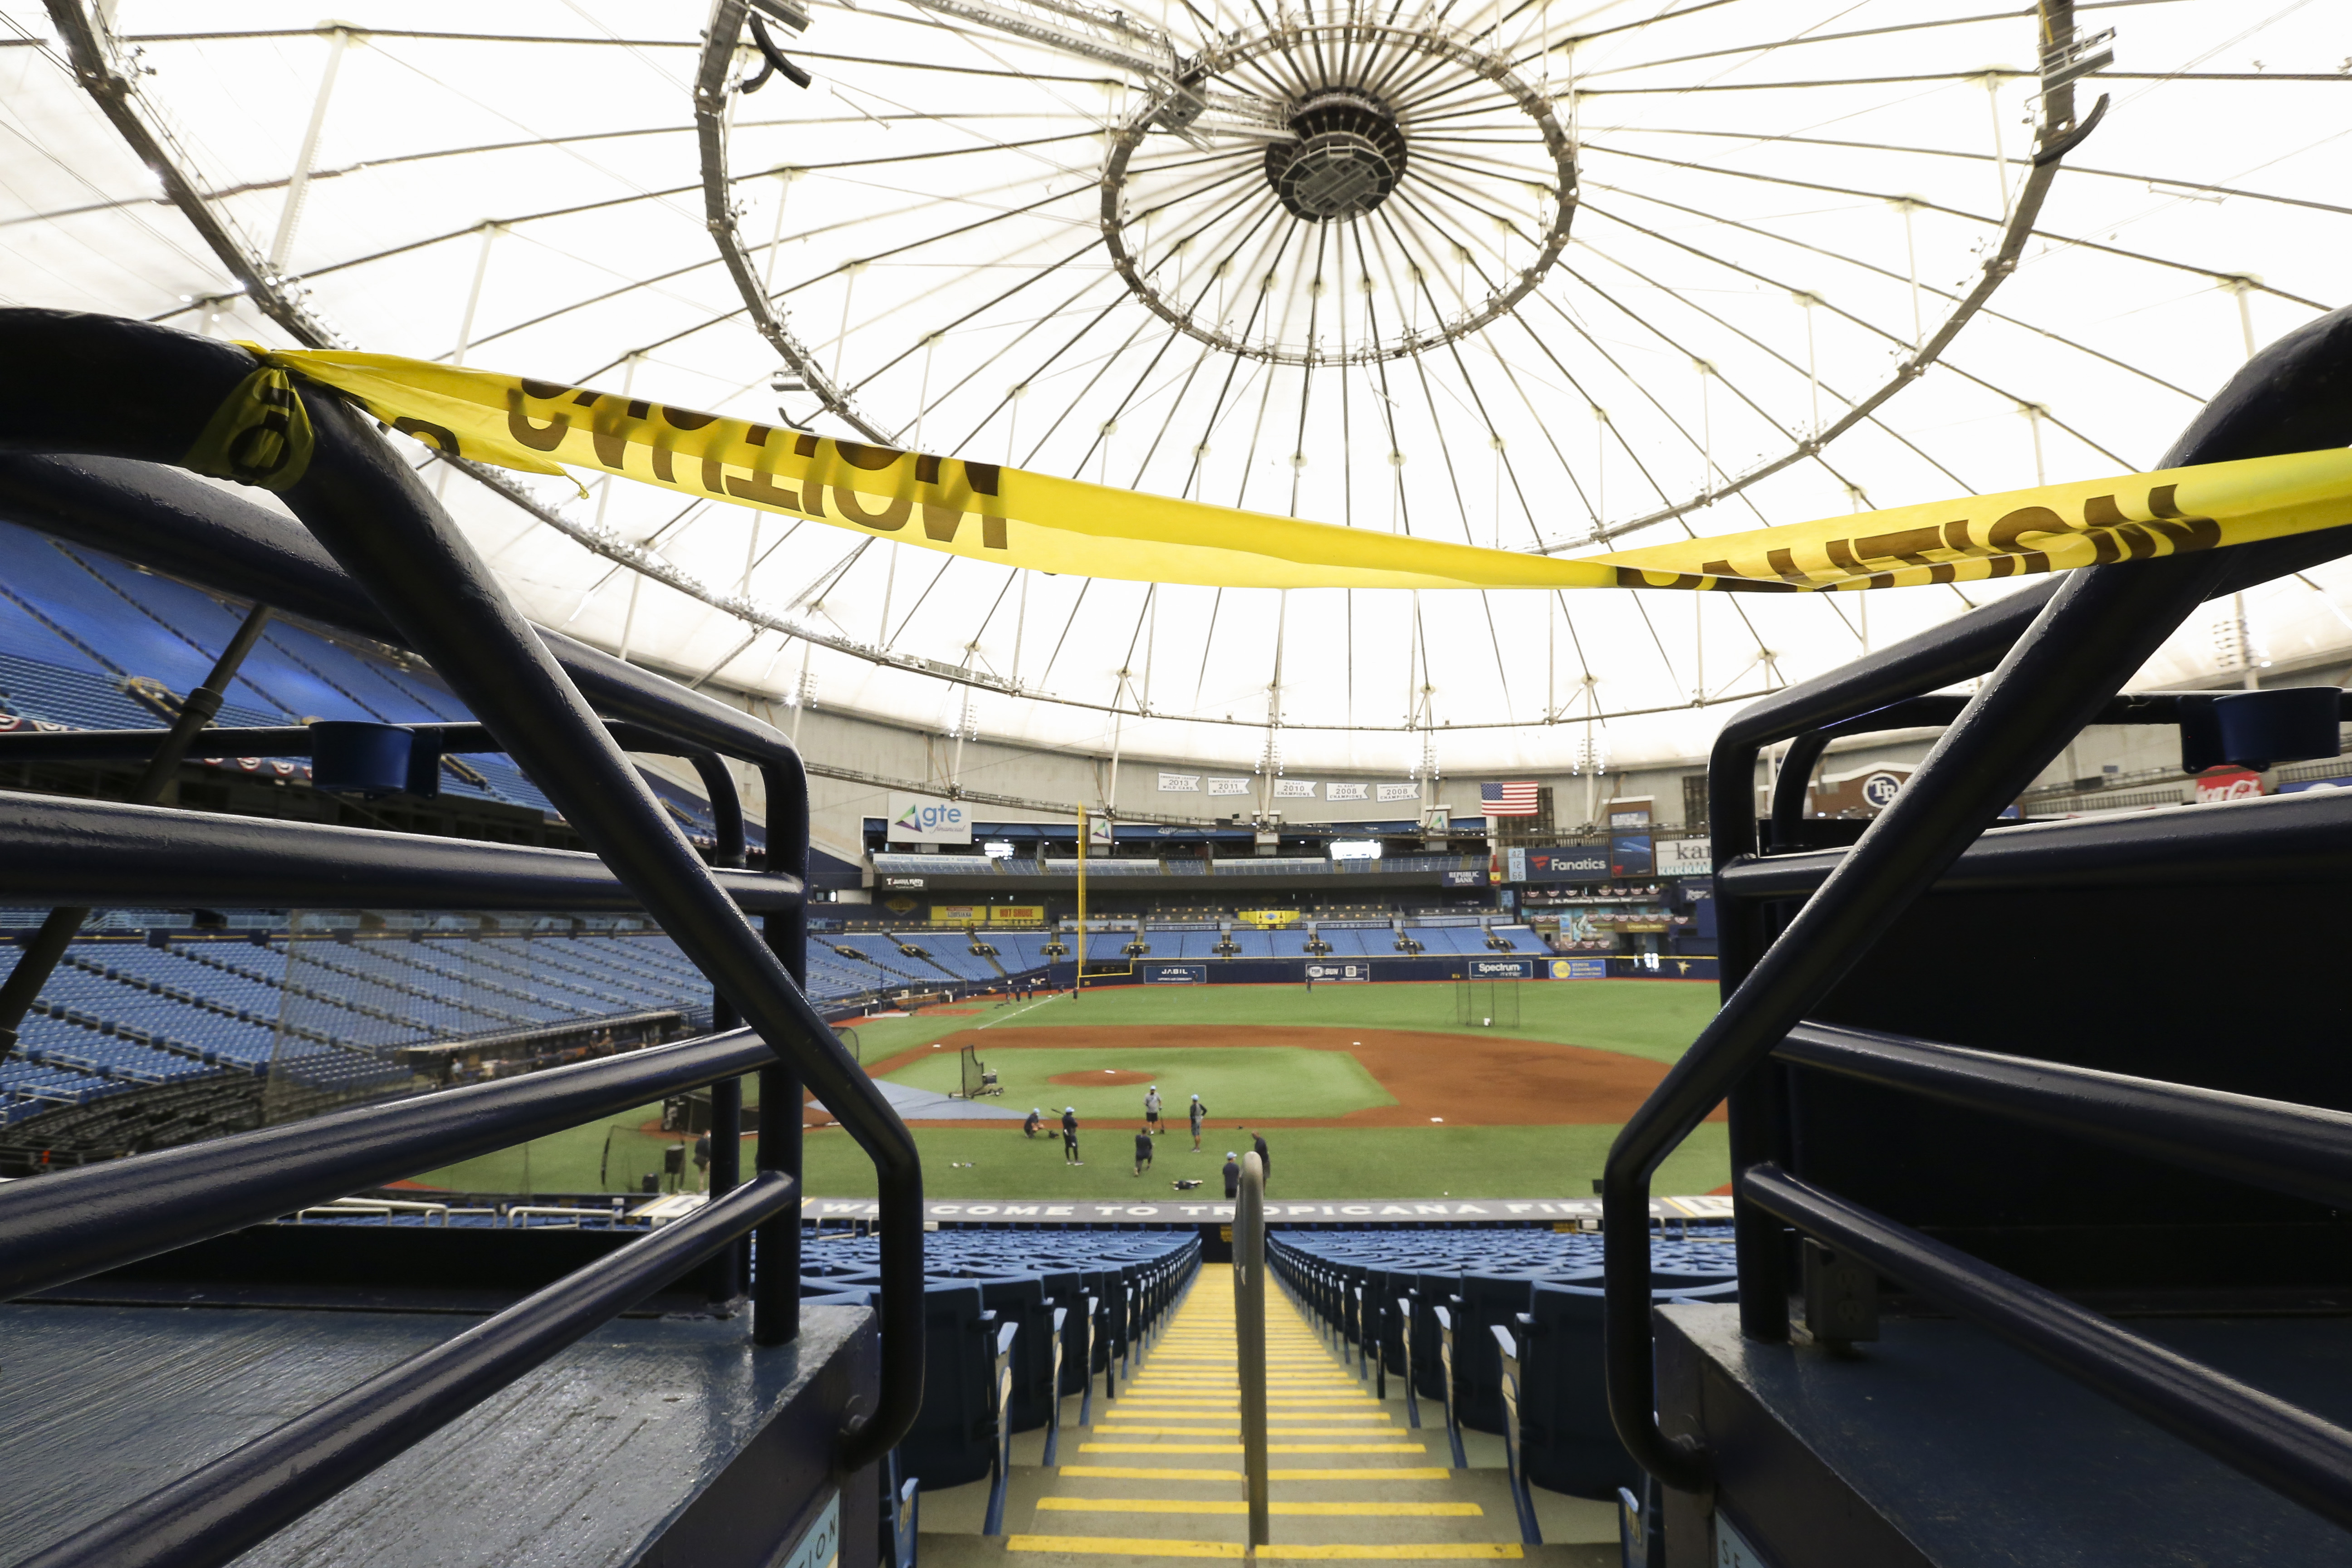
column 1385, row 971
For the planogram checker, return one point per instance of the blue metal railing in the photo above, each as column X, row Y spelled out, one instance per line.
column 2063, row 649
column 125, row 395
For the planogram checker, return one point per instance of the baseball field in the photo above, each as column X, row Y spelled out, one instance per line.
column 1361, row 1090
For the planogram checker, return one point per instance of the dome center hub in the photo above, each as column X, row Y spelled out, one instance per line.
column 1347, row 157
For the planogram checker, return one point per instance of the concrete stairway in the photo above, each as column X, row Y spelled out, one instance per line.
column 1159, row 1473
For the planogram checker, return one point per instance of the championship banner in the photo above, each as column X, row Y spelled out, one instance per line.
column 985, row 510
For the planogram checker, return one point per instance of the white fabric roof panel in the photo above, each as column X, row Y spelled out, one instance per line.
column 1755, row 180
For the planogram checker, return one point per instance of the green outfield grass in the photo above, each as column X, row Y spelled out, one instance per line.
column 1239, row 1081
column 992, row 1159
column 995, row 1161
column 1651, row 1018
column 1639, row 1017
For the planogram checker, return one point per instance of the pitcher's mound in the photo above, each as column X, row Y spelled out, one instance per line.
column 1102, row 1078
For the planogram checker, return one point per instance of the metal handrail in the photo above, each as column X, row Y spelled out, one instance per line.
column 126, row 389
column 2304, row 1151
column 220, row 1509
column 57, row 849
column 1934, row 711
column 2298, row 837
column 2097, row 629
column 73, row 1224
column 1249, row 1341
column 40, row 956
column 298, row 741
column 2062, row 651
column 2290, row 1450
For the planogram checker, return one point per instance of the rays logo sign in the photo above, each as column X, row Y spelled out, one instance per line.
column 928, row 820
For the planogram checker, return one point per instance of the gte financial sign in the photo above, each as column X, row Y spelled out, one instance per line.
column 928, row 820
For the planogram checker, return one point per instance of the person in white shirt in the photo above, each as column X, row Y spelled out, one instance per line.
column 1151, row 1109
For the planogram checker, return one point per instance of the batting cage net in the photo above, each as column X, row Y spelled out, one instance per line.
column 1486, row 1003
column 975, row 1073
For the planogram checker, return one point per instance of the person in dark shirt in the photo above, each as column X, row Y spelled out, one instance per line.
column 1037, row 1121
column 1233, row 1175
column 1198, row 1112
column 1070, row 1136
column 1142, row 1147
column 1265, row 1160
column 702, row 1161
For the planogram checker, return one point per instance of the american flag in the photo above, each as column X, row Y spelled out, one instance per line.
column 1508, row 799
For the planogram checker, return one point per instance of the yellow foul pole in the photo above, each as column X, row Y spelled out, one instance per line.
column 1078, row 974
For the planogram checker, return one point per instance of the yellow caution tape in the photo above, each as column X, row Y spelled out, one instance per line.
column 965, row 507
column 261, row 435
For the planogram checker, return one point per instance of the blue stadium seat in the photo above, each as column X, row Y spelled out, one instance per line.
column 950, row 1443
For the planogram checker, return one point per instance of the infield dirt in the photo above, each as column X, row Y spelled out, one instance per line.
column 1465, row 1080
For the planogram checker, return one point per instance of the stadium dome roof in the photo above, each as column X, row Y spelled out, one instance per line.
column 1534, row 273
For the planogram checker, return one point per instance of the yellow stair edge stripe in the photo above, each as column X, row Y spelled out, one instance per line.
column 1231, row 1506
column 1233, row 1401
column 1203, row 1473
column 1207, row 1381
column 1229, row 1416
column 1229, row 1428
column 1226, row 1409
column 1237, row 1447
column 1121, row 1546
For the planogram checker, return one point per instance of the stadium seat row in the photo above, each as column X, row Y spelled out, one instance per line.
column 1112, row 1291
column 1393, row 1300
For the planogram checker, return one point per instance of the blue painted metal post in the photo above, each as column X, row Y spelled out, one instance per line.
column 1446, row 1365
column 999, row 1453
column 776, row 1303
column 1054, row 1411
column 1404, row 1338
column 1521, row 1498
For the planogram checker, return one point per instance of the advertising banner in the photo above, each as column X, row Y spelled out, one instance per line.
column 2302, row 784
column 1629, row 855
column 1630, row 812
column 2227, row 783
column 928, row 820
column 1462, row 878
column 1576, row 863
column 1338, row 969
column 1266, row 918
column 1502, row 969
column 1016, row 914
column 957, row 914
column 1580, row 969
column 1173, row 973
column 1685, row 858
